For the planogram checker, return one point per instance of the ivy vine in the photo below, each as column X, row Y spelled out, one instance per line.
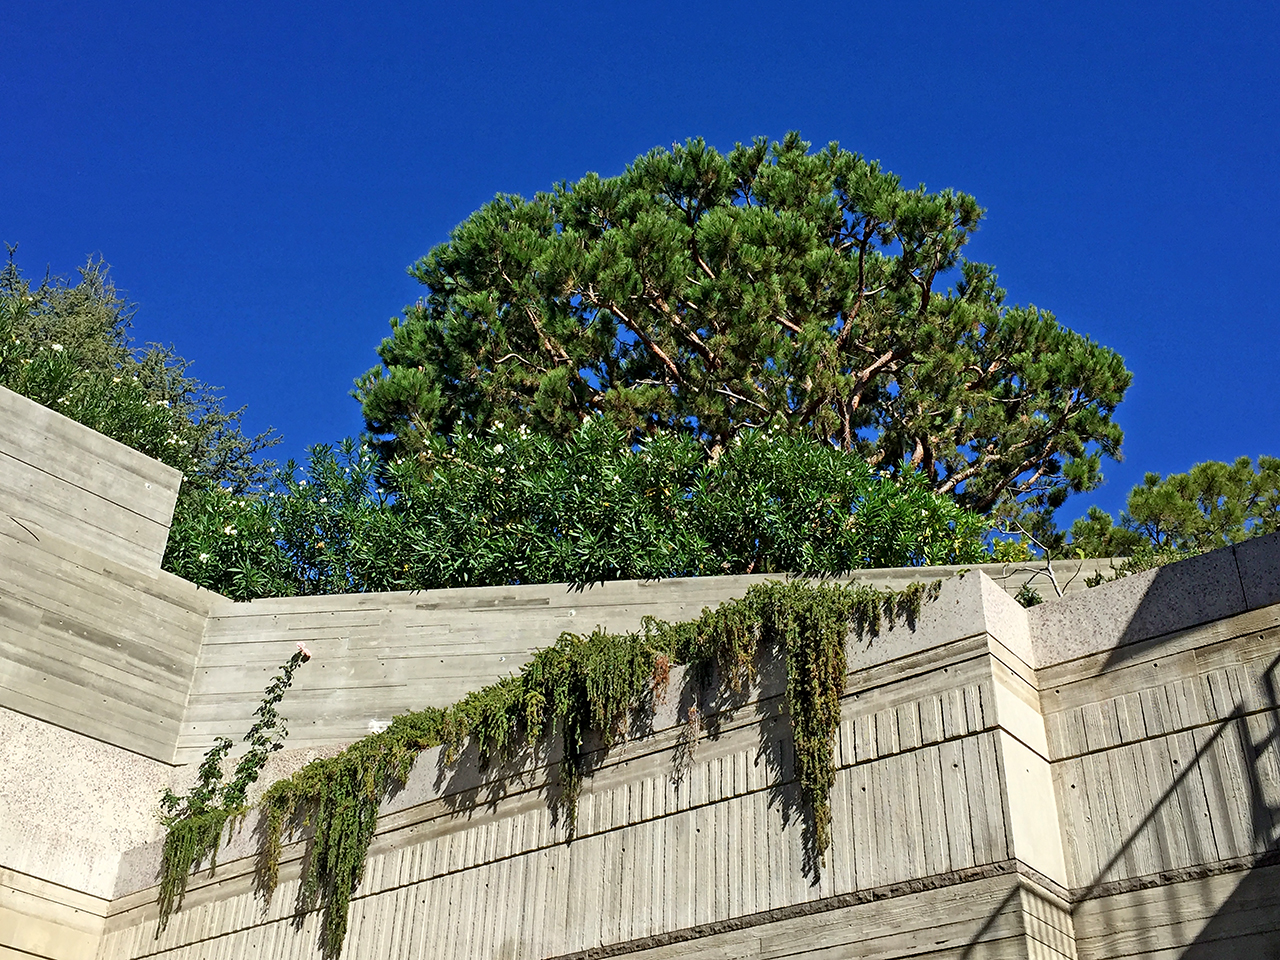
column 580, row 686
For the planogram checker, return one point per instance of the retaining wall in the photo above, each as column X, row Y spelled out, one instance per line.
column 379, row 654
column 1098, row 776
column 98, row 649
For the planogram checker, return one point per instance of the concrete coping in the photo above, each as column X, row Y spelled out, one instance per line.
column 1213, row 586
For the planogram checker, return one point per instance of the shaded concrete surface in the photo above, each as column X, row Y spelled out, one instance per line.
column 69, row 806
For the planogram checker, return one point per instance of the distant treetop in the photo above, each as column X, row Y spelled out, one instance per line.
column 66, row 345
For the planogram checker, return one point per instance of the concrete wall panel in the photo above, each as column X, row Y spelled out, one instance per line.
column 95, row 645
column 382, row 654
column 78, row 485
column 1214, row 916
column 66, row 817
column 919, row 796
column 42, row 919
column 1259, row 564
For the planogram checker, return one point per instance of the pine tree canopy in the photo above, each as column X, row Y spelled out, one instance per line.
column 1212, row 505
column 702, row 293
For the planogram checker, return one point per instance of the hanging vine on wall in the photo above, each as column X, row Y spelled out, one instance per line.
column 194, row 822
column 582, row 686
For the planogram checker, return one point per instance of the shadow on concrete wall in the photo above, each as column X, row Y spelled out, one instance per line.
column 1190, row 593
column 1247, row 922
column 694, row 709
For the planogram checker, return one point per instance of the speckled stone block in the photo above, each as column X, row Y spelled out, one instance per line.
column 1259, row 563
column 70, row 804
column 1138, row 607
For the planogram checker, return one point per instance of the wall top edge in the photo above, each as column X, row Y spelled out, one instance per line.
column 1112, row 616
column 83, row 486
column 39, row 418
column 1009, row 577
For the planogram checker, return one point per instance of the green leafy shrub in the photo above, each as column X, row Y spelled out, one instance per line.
column 514, row 507
column 229, row 542
column 67, row 346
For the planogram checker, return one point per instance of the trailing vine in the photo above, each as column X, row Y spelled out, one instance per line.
column 581, row 686
column 194, row 822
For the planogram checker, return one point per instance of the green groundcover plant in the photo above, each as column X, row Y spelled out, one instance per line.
column 194, row 821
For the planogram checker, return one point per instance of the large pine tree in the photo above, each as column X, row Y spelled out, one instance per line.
column 702, row 293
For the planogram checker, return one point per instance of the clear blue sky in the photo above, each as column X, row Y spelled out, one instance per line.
column 259, row 175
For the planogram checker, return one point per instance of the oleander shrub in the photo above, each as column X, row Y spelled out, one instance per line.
column 513, row 507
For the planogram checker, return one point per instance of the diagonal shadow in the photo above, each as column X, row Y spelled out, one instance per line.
column 1248, row 921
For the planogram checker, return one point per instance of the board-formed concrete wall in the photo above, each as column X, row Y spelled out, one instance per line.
column 78, row 485
column 379, row 654
column 98, row 648
column 1162, row 709
column 705, row 857
column 1095, row 777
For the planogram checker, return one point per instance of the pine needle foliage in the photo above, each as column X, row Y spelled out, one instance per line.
column 1167, row 518
column 586, row 689
column 702, row 293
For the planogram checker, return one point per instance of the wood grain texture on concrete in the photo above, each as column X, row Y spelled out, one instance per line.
column 1125, row 802
column 42, row 919
column 95, row 645
column 1214, row 916
column 1171, row 758
column 378, row 655
column 81, row 486
column 471, row 863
